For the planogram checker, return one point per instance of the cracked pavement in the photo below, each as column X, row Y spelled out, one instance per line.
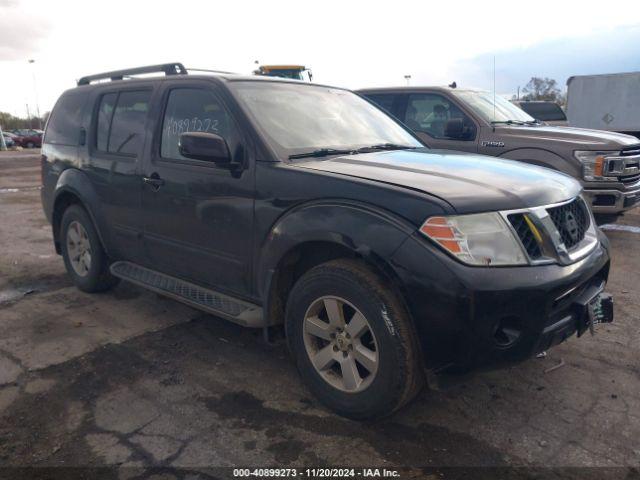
column 132, row 379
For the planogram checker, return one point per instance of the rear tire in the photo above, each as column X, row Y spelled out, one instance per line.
column 84, row 258
column 370, row 366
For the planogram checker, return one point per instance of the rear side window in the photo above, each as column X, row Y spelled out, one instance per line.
column 107, row 104
column 121, row 122
column 383, row 101
column 64, row 125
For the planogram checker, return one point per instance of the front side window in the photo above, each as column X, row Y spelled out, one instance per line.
column 429, row 113
column 194, row 110
column 298, row 118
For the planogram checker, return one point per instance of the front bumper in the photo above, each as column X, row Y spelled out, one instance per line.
column 477, row 317
column 612, row 201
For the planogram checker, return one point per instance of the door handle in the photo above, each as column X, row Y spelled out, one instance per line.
column 154, row 180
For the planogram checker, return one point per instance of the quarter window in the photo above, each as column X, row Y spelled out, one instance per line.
column 429, row 113
column 64, row 125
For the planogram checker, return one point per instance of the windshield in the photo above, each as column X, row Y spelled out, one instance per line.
column 300, row 118
column 483, row 104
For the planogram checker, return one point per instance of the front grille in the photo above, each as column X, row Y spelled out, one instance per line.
column 630, row 151
column 572, row 221
column 525, row 235
column 630, row 179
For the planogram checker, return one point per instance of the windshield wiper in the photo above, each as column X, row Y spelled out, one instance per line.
column 508, row 122
column 385, row 146
column 323, row 152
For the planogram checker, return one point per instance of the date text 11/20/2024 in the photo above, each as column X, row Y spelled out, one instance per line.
column 316, row 472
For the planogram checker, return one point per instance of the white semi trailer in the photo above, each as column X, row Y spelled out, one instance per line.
column 605, row 102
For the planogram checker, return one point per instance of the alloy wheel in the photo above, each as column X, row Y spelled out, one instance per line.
column 78, row 248
column 340, row 344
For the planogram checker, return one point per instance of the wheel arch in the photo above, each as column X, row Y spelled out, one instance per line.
column 74, row 188
column 319, row 232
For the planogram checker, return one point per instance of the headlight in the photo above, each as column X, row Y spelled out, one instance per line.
column 594, row 165
column 480, row 239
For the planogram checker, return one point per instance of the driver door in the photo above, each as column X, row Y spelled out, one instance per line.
column 198, row 216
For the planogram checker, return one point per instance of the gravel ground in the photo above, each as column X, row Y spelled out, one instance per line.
column 153, row 388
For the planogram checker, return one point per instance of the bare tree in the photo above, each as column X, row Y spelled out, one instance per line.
column 542, row 89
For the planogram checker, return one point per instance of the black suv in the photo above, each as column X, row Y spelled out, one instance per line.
column 268, row 201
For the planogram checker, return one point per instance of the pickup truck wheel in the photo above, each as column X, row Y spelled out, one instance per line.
column 84, row 257
column 352, row 340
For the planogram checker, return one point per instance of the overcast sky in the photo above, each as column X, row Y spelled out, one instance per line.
column 346, row 43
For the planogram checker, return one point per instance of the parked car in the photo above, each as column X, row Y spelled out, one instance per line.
column 606, row 102
column 268, row 201
column 28, row 139
column 548, row 112
column 8, row 139
column 607, row 164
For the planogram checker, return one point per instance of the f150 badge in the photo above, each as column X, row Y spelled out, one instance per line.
column 487, row 143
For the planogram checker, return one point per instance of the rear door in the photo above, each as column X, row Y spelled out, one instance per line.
column 427, row 115
column 116, row 143
column 198, row 218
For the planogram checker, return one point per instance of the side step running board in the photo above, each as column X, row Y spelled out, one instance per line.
column 238, row 311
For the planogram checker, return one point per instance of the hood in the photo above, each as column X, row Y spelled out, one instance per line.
column 575, row 138
column 468, row 182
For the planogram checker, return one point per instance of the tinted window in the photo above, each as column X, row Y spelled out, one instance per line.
column 543, row 110
column 194, row 110
column 105, row 112
column 429, row 113
column 383, row 101
column 127, row 125
column 64, row 125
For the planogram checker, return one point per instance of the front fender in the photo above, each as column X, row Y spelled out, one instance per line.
column 370, row 232
column 75, row 182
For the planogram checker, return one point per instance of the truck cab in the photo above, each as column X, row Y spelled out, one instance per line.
column 606, row 163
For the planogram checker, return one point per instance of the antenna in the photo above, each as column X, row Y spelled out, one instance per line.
column 494, row 88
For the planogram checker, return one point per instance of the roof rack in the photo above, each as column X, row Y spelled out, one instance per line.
column 167, row 68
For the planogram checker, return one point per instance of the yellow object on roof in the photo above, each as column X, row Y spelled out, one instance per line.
column 268, row 68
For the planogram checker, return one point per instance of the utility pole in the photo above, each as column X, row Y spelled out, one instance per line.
column 3, row 145
column 35, row 91
column 407, row 78
column 28, row 115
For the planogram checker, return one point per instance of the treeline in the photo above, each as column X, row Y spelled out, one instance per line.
column 11, row 122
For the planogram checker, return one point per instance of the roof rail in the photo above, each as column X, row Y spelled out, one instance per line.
column 167, row 68
column 211, row 71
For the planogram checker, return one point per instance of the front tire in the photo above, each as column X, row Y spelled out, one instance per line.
column 352, row 340
column 84, row 258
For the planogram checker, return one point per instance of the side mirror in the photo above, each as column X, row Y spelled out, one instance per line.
column 204, row 146
column 454, row 128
